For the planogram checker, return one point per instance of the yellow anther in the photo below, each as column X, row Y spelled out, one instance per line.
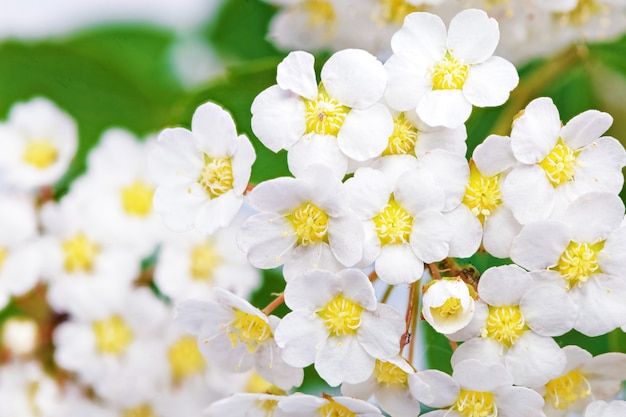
column 310, row 224
column 80, row 253
column 40, row 153
column 389, row 374
column 449, row 74
column 560, row 164
column 341, row 315
column 566, row 389
column 393, row 224
column 505, row 324
column 324, row 115
column 112, row 335
column 249, row 329
column 185, row 358
column 475, row 404
column 137, row 198
column 482, row 194
column 402, row 140
column 578, row 262
column 216, row 176
column 204, row 260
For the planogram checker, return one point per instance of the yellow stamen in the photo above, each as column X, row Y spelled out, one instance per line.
column 80, row 253
column 393, row 224
column 402, row 140
column 578, row 263
column 476, row 404
column 137, row 198
column 185, row 358
column 389, row 374
column 112, row 335
column 216, row 176
column 566, row 389
column 40, row 153
column 334, row 409
column 560, row 164
column 249, row 329
column 394, row 11
column 449, row 74
column 310, row 224
column 140, row 411
column 341, row 315
column 324, row 115
column 482, row 194
column 505, row 324
column 204, row 260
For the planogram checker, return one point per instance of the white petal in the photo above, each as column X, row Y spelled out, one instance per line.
column 549, row 310
column 398, row 264
column 434, row 388
column 468, row 232
column 241, row 163
column 500, row 230
column 483, row 349
column 612, row 258
column 519, row 401
column 354, row 77
column 489, row 84
column 345, row 236
column 417, row 192
column 266, row 238
column 534, row 360
column 536, row 131
column 364, row 133
column 494, row 155
column 298, row 293
column 528, row 193
column 279, row 195
column 504, row 285
column 601, row 303
column 422, row 38
column 296, row 74
column 450, row 172
column 380, row 331
column 430, row 235
column 278, row 118
column 343, row 359
column 215, row 129
column 368, row 192
column 583, row 219
column 478, row 376
column 447, row 108
column 300, row 335
column 585, row 128
column 314, row 149
column 539, row 245
column 473, row 36
column 407, row 83
column 356, row 286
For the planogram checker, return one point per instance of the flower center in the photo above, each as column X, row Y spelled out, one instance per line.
column 140, row 411
column 112, row 335
column 394, row 11
column 449, row 74
column 310, row 224
column 216, row 176
column 476, row 404
column 505, row 324
column 566, row 389
column 341, row 315
column 583, row 12
column 80, row 253
column 449, row 308
column 185, row 358
column 137, row 199
column 40, row 153
column 579, row 262
column 204, row 260
column 482, row 194
column 324, row 115
column 320, row 12
column 402, row 140
column 3, row 256
column 560, row 164
column 249, row 329
column 393, row 224
column 389, row 374
column 334, row 409
column 268, row 406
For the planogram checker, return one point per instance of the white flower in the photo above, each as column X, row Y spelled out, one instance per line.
column 20, row 335
column 190, row 265
column 403, row 223
column 20, row 250
column 514, row 323
column 442, row 74
column 389, row 384
column 38, row 143
column 304, row 224
column 583, row 254
column 583, row 379
column 26, row 391
column 236, row 336
column 302, row 405
column 337, row 324
column 247, row 404
column 615, row 408
column 339, row 119
column 114, row 350
column 81, row 264
column 117, row 169
column 201, row 174
column 448, row 305
column 558, row 163
column 475, row 389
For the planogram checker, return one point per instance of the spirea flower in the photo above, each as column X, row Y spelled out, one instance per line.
column 615, row 408
column 304, row 224
column 302, row 405
column 475, row 389
column 38, row 142
column 202, row 173
column 337, row 324
column 583, row 254
column 559, row 163
column 583, row 379
column 448, row 304
column 514, row 323
column 339, row 119
column 442, row 73
column 236, row 336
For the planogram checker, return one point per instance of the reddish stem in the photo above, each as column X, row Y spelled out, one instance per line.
column 434, row 271
column 406, row 337
column 249, row 188
column 275, row 303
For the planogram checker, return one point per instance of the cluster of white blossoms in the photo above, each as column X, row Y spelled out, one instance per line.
column 149, row 321
column 530, row 28
column 89, row 278
column 381, row 192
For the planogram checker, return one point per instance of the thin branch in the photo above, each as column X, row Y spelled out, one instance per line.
column 275, row 303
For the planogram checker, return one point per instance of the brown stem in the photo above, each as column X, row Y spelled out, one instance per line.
column 406, row 337
column 387, row 293
column 249, row 188
column 414, row 321
column 373, row 276
column 275, row 303
column 434, row 271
